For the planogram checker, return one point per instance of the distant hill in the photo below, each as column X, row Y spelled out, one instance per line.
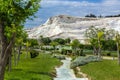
column 64, row 26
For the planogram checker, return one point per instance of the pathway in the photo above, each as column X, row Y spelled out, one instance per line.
column 65, row 73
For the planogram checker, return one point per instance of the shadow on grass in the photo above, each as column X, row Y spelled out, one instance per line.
column 43, row 73
column 14, row 79
column 17, row 69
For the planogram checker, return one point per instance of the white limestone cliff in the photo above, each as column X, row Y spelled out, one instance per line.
column 64, row 26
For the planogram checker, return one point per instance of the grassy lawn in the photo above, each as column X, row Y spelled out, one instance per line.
column 105, row 70
column 104, row 53
column 39, row 68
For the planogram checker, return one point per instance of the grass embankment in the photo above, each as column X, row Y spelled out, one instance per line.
column 104, row 70
column 39, row 68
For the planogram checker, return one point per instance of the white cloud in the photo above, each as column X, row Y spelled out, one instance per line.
column 76, row 8
column 103, row 7
column 111, row 2
column 50, row 3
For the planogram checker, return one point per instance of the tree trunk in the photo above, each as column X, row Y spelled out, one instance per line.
column 15, row 56
column 26, row 52
column 118, row 52
column 3, row 57
column 10, row 62
column 99, row 50
column 95, row 52
column 6, row 49
column 99, row 53
column 19, row 51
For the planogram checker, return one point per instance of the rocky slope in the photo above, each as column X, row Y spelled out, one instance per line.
column 64, row 26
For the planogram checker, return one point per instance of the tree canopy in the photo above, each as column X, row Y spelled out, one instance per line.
column 13, row 14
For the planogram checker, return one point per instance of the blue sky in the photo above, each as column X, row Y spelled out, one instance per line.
column 74, row 8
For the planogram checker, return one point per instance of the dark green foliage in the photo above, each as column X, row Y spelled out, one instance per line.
column 67, row 40
column 88, row 47
column 81, row 53
column 46, row 40
column 109, row 45
column 34, row 53
column 83, row 60
column 60, row 41
column 33, row 42
column 91, row 15
column 108, row 54
column 61, row 57
column 75, row 43
column 47, row 48
column 63, row 51
column 13, row 15
column 118, row 15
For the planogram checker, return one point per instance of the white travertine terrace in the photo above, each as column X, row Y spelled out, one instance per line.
column 64, row 26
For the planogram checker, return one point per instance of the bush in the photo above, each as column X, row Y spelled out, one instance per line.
column 34, row 53
column 80, row 53
column 92, row 59
column 61, row 57
column 83, row 60
column 64, row 51
column 47, row 49
column 108, row 54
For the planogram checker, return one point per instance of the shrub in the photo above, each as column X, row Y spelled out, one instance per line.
column 92, row 59
column 83, row 60
column 64, row 52
column 80, row 53
column 34, row 53
column 47, row 49
column 61, row 57
column 108, row 54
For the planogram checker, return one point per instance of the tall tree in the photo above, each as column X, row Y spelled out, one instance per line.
column 95, row 36
column 67, row 40
column 19, row 43
column 13, row 15
column 75, row 45
column 54, row 44
column 117, row 37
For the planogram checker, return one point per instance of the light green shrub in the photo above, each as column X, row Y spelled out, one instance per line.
column 83, row 60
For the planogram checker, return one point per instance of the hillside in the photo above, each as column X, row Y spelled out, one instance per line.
column 63, row 26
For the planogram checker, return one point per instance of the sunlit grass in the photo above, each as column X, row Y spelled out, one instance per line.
column 38, row 68
column 104, row 70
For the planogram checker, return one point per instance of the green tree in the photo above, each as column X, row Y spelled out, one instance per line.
column 95, row 36
column 19, row 43
column 60, row 41
column 13, row 15
column 67, row 41
column 54, row 44
column 34, row 42
column 75, row 45
column 99, row 38
column 44, row 40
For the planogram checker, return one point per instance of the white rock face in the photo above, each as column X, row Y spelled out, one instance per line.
column 63, row 26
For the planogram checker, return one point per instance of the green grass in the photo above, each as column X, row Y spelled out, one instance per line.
column 104, row 70
column 104, row 53
column 39, row 68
